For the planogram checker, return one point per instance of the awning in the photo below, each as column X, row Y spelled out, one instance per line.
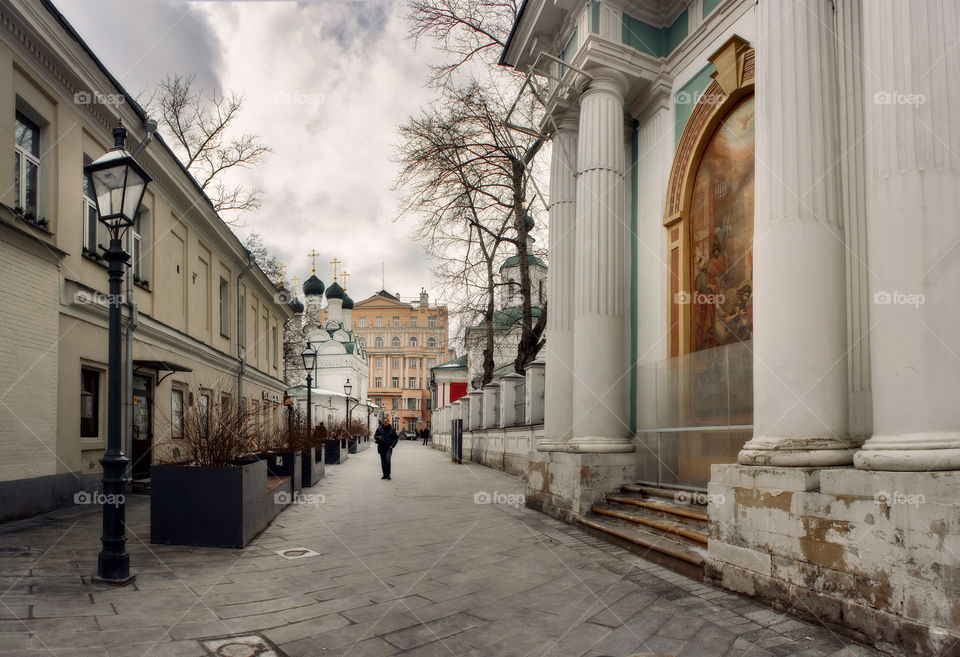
column 160, row 366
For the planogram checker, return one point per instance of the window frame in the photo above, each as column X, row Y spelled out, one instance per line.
column 21, row 157
column 177, row 423
column 96, row 403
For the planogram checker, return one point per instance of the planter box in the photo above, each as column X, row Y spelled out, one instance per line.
column 285, row 464
column 225, row 506
column 352, row 446
column 311, row 469
column 332, row 454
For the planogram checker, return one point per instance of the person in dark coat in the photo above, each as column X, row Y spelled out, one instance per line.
column 425, row 434
column 386, row 439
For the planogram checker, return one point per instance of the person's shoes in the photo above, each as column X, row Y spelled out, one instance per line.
column 384, row 477
column 387, row 477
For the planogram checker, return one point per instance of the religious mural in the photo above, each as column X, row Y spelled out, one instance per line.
column 721, row 234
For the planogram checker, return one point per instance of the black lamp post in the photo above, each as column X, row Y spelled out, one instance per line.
column 309, row 357
column 119, row 184
column 347, row 389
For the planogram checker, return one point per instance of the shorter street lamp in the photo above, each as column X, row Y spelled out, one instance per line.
column 309, row 357
column 118, row 186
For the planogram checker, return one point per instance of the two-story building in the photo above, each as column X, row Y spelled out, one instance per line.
column 202, row 322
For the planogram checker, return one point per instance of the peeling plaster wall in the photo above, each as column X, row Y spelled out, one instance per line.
column 875, row 555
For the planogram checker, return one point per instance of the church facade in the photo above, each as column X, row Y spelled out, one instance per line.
column 754, row 254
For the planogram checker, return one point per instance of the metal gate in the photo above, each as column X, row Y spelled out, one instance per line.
column 456, row 440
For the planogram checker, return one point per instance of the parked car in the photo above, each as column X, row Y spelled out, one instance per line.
column 409, row 435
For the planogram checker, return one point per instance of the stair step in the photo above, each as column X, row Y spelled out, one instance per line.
column 681, row 557
column 681, row 497
column 666, row 509
column 670, row 529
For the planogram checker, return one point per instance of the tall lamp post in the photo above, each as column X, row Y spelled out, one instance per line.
column 347, row 389
column 309, row 357
column 118, row 184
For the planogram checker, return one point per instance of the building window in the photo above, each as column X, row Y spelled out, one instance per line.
column 362, row 342
column 412, row 363
column 378, row 362
column 205, row 410
column 379, row 322
column 432, row 322
column 273, row 344
column 224, row 307
column 243, row 320
column 414, row 343
column 378, row 342
column 395, row 363
column 26, row 168
column 93, row 231
column 136, row 232
column 411, row 382
column 176, row 413
column 394, row 403
column 431, row 343
column 413, row 321
column 431, row 362
column 378, row 382
column 89, row 403
column 394, row 381
column 363, row 322
column 412, row 404
column 396, row 321
column 395, row 341
column 540, row 291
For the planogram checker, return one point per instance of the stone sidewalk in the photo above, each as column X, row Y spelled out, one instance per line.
column 416, row 566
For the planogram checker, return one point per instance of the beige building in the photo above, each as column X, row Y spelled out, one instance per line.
column 208, row 324
column 403, row 340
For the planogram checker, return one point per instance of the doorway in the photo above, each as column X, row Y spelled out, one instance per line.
column 142, row 455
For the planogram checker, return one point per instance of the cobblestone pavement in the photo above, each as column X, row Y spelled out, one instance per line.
column 413, row 566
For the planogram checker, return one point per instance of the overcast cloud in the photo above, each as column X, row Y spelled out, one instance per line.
column 326, row 85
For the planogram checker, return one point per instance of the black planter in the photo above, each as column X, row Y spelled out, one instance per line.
column 332, row 453
column 351, row 445
column 223, row 506
column 285, row 464
column 311, row 466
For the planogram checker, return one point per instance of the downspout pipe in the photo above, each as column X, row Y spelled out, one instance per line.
column 241, row 352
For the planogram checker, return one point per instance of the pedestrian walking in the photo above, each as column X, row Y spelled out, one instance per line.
column 386, row 439
column 425, row 434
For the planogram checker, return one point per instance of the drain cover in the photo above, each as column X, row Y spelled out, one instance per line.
column 248, row 645
column 297, row 553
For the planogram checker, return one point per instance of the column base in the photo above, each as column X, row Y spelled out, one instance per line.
column 911, row 452
column 799, row 452
column 566, row 485
column 600, row 445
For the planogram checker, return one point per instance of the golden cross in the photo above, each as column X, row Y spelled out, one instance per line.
column 345, row 276
column 335, row 262
column 283, row 272
column 313, row 255
column 294, row 280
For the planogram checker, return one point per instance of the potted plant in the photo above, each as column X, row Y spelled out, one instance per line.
column 209, row 489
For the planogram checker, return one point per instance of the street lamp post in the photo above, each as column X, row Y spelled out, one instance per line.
column 347, row 388
column 119, row 184
column 309, row 357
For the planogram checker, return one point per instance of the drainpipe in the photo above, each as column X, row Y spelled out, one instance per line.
column 241, row 352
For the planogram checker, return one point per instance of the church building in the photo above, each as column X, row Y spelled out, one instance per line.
column 754, row 267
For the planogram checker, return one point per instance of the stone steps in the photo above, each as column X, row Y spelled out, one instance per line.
column 664, row 525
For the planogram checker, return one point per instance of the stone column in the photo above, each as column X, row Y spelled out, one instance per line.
column 558, row 423
column 912, row 141
column 601, row 370
column 800, row 364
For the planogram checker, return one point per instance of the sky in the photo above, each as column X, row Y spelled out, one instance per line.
column 326, row 84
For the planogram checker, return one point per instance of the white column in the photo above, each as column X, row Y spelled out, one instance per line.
column 558, row 424
column 912, row 141
column 800, row 365
column 601, row 369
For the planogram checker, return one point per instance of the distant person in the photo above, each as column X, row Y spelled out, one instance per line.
column 386, row 439
column 425, row 434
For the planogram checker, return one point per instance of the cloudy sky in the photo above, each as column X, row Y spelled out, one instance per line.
column 326, row 83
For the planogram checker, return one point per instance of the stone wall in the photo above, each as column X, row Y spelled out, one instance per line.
column 875, row 555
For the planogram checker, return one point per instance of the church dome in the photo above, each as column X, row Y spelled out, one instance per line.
column 313, row 286
column 347, row 302
column 529, row 222
column 296, row 305
column 335, row 291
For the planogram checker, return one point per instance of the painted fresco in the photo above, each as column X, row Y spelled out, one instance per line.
column 721, row 234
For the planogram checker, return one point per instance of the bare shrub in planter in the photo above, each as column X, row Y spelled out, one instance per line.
column 215, row 436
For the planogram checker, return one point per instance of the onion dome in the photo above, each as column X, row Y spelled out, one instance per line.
column 296, row 305
column 347, row 302
column 313, row 286
column 529, row 222
column 335, row 291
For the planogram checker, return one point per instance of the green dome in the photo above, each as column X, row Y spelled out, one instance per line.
column 529, row 222
column 514, row 261
column 347, row 302
column 335, row 291
column 296, row 305
column 313, row 286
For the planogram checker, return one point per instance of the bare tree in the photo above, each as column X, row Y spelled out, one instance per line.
column 198, row 126
column 268, row 263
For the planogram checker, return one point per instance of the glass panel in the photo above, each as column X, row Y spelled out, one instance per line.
column 16, row 180
column 89, row 404
column 28, row 135
column 31, row 183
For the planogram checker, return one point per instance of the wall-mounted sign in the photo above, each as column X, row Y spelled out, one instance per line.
column 272, row 397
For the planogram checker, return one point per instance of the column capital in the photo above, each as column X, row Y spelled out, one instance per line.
column 606, row 79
